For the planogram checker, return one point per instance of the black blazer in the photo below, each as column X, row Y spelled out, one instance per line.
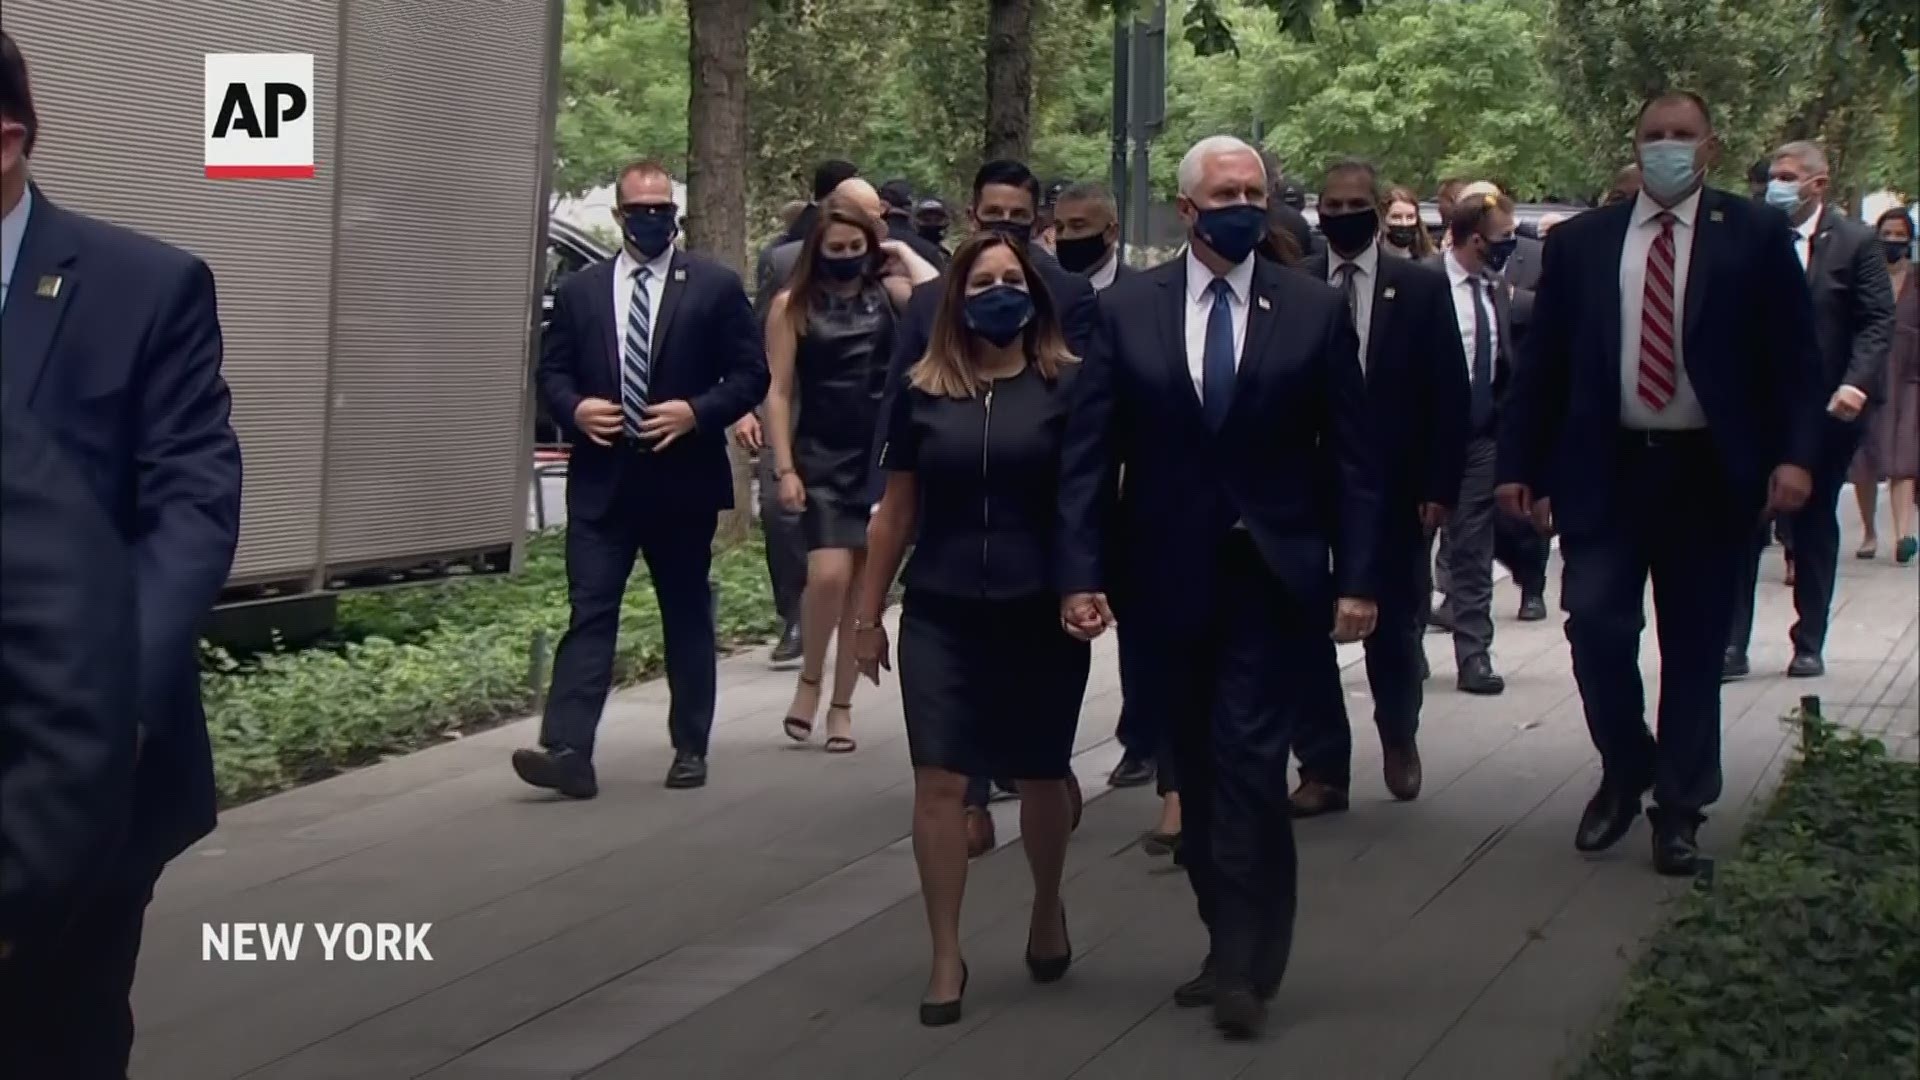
column 1852, row 305
column 1295, row 459
column 1750, row 353
column 1522, row 272
column 1503, row 317
column 67, row 717
column 1417, row 384
column 113, row 342
column 707, row 352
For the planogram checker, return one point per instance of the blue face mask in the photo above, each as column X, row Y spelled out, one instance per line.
column 999, row 313
column 650, row 233
column 1232, row 231
column 1499, row 251
column 1784, row 195
column 1667, row 169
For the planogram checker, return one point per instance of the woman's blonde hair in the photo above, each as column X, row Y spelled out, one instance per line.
column 947, row 368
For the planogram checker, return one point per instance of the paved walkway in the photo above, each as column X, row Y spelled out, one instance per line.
column 768, row 926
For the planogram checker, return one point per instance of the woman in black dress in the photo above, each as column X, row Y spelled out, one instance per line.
column 829, row 341
column 991, row 680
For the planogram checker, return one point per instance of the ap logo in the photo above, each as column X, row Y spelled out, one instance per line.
column 259, row 116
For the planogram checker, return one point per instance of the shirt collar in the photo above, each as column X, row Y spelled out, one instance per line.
column 625, row 264
column 1368, row 261
column 1457, row 275
column 13, row 229
column 1645, row 209
column 1807, row 227
column 1200, row 278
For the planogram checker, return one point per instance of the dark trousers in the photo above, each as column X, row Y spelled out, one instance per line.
column 64, row 1007
column 1142, row 729
column 1813, row 536
column 1238, row 682
column 1324, row 743
column 1672, row 521
column 678, row 547
column 1467, row 557
column 786, row 544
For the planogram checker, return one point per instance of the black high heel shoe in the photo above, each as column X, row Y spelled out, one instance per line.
column 942, row 1013
column 1051, row 968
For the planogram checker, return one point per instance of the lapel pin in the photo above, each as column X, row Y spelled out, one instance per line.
column 1716, row 215
column 49, row 287
column 680, row 273
column 1262, row 301
column 1387, row 294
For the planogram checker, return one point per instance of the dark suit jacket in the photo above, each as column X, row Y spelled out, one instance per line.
column 900, row 227
column 122, row 363
column 1417, row 384
column 1295, row 459
column 707, row 351
column 1749, row 349
column 1506, row 334
column 1523, row 273
column 67, row 715
column 1852, row 305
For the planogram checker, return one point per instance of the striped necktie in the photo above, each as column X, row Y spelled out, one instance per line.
column 1659, row 375
column 636, row 363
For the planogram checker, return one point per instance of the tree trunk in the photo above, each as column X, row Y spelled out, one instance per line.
column 1009, row 78
column 717, row 168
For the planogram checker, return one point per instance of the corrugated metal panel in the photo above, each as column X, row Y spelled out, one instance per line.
column 130, row 150
column 444, row 123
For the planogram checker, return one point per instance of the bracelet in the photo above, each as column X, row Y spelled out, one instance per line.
column 861, row 626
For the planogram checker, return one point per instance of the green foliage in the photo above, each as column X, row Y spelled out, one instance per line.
column 623, row 77
column 426, row 663
column 1799, row 961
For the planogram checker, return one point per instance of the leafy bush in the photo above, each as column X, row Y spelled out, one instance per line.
column 429, row 662
column 1801, row 959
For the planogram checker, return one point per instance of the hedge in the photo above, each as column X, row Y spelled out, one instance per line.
column 1800, row 958
column 421, row 664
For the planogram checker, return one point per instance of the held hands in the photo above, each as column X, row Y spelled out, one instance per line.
column 747, row 434
column 870, row 649
column 599, row 418
column 1788, row 489
column 793, row 493
column 1353, row 619
column 1847, row 403
column 666, row 422
column 1085, row 616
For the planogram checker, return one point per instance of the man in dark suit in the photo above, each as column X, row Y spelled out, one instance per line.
column 1482, row 236
column 1087, row 223
column 827, row 175
column 1229, row 392
column 898, row 197
column 1668, row 392
column 1417, row 386
column 67, row 722
column 1853, row 312
column 649, row 357
column 112, row 341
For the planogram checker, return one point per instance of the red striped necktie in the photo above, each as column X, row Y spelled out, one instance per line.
column 1659, row 374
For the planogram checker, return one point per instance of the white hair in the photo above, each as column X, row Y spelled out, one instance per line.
column 1479, row 188
column 1806, row 154
column 1195, row 163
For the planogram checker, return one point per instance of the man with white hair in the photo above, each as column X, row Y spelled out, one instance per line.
column 1239, row 545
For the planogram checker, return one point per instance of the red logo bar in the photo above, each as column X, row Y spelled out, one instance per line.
column 260, row 172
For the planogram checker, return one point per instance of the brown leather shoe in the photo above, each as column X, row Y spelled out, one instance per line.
column 980, row 838
column 1401, row 765
column 1313, row 798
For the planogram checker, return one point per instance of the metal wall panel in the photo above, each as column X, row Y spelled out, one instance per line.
column 129, row 149
column 445, row 124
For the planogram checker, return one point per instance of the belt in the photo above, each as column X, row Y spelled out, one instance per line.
column 1665, row 439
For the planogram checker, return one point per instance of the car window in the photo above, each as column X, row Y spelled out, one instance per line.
column 562, row 260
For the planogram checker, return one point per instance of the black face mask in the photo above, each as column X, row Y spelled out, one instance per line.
column 1349, row 234
column 933, row 233
column 843, row 267
column 999, row 313
column 650, row 231
column 1896, row 249
column 1081, row 254
column 1403, row 236
column 1020, row 232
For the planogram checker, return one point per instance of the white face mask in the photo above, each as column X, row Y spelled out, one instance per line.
column 1668, row 168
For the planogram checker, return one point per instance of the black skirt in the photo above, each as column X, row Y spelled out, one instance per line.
column 991, row 687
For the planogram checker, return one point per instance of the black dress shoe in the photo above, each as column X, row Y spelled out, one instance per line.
column 787, row 649
column 565, row 771
column 1197, row 992
column 1608, row 816
column 1806, row 665
column 1048, row 969
column 943, row 1013
column 1239, row 1012
column 1478, row 677
column 1132, row 771
column 1676, row 842
column 1734, row 666
column 1533, row 607
column 689, row 770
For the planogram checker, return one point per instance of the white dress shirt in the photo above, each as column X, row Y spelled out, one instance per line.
column 13, row 228
column 1366, row 275
column 1200, row 308
column 624, row 267
column 1108, row 270
column 1803, row 237
column 1463, row 299
column 1683, row 412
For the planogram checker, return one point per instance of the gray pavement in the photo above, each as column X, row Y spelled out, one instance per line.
column 769, row 925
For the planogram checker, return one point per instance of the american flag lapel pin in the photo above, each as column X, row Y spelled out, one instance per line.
column 49, row 287
column 1716, row 215
column 1387, row 293
column 680, row 273
column 1263, row 302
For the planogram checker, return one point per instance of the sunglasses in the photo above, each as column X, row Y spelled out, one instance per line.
column 665, row 209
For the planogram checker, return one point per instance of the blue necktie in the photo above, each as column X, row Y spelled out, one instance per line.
column 635, row 363
column 1482, row 400
column 1216, row 360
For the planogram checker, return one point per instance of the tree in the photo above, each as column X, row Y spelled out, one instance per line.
column 1009, row 78
column 623, row 77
